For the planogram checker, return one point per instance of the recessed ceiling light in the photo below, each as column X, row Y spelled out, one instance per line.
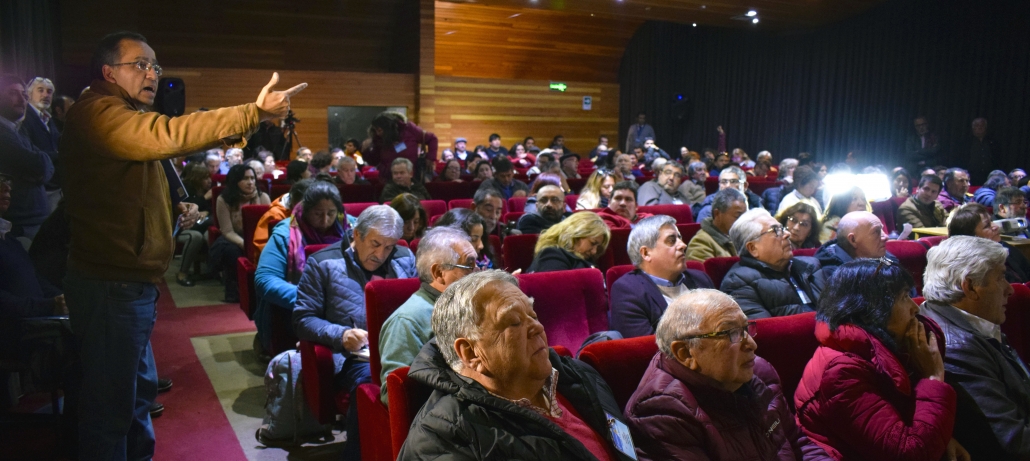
column 703, row 7
column 754, row 21
column 695, row 24
column 752, row 13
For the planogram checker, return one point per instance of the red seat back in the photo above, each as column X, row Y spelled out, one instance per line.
column 1017, row 320
column 517, row 204
column 382, row 297
column 517, row 251
column 448, row 191
column 434, row 208
column 278, row 190
column 571, row 305
column 576, row 185
column 570, row 201
column 312, row 249
column 688, row 231
column 885, row 210
column 251, row 214
column 932, row 240
column 621, row 363
column 758, row 186
column 355, row 209
column 711, row 185
column 681, row 213
column 716, row 268
column 805, row 251
column 912, row 255
column 459, row 203
column 357, row 193
column 511, row 216
column 616, row 250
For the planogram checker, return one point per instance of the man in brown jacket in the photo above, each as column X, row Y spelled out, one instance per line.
column 120, row 216
column 922, row 209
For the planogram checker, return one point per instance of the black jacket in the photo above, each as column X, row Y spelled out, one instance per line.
column 1017, row 267
column 552, row 259
column 535, row 223
column 45, row 138
column 993, row 413
column 763, row 292
column 831, row 256
column 462, row 420
column 637, row 304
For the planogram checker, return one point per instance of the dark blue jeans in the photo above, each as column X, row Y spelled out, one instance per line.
column 113, row 322
column 353, row 374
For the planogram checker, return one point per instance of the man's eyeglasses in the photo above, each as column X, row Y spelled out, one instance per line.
column 733, row 334
column 729, row 182
column 776, row 229
column 142, row 65
column 6, row 181
column 801, row 223
column 472, row 268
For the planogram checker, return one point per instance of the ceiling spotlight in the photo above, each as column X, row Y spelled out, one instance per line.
column 752, row 13
column 695, row 24
column 754, row 21
column 703, row 7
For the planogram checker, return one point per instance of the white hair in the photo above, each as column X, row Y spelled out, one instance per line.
column 746, row 228
column 685, row 315
column 764, row 154
column 645, row 234
column 658, row 163
column 956, row 259
column 402, row 161
column 455, row 314
column 437, row 247
column 383, row 218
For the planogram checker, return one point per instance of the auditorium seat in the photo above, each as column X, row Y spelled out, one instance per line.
column 805, row 251
column 511, row 217
column 245, row 270
column 688, row 231
column 448, row 191
column 885, row 210
column 517, row 204
column 355, row 209
column 434, row 208
column 931, row 241
column 681, row 213
column 459, row 203
column 357, row 193
column 571, row 305
column 570, row 201
column 517, row 251
column 717, row 268
column 278, row 190
column 251, row 214
column 1017, row 320
column 711, row 185
column 912, row 255
column 576, row 185
column 757, row 186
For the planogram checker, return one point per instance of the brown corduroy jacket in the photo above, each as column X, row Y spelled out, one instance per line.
column 118, row 202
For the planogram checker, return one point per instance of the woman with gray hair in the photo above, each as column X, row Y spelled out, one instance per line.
column 966, row 292
column 705, row 393
column 499, row 392
column 769, row 281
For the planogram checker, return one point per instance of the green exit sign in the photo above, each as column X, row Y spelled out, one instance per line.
column 558, row 86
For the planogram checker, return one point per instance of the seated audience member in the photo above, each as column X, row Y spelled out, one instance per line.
column 336, row 153
column 965, row 293
column 973, row 219
column 29, row 168
column 690, row 400
column 772, row 196
column 800, row 220
column 985, row 194
column 901, row 183
column 490, row 206
column 213, row 161
column 841, row 204
column 956, row 189
column 922, row 209
column 504, row 181
column 197, row 180
column 314, row 219
column 545, row 156
column 282, row 208
column 664, row 189
column 550, row 171
column 731, row 177
column 652, row 152
column 520, row 157
column 571, row 244
column 761, row 170
column 621, row 212
column 1016, row 175
column 297, row 170
column 240, row 189
column 722, row 160
column 1010, row 203
column 444, row 256
column 623, row 168
column 233, row 157
column 352, row 149
column 258, row 167
column 550, row 210
column 330, row 307
column 321, row 162
column 271, row 168
column 597, row 191
column 769, row 281
column 693, row 189
column 471, row 223
column 806, row 183
column 401, row 173
column 658, row 253
column 713, row 239
column 451, row 171
column 875, row 387
column 484, row 171
column 569, row 166
column 414, row 216
column 499, row 391
column 347, row 172
column 304, row 154
column 860, row 236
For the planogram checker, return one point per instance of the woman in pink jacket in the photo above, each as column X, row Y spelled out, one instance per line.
column 874, row 390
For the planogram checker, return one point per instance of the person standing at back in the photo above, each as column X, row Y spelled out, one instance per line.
column 120, row 249
column 638, row 132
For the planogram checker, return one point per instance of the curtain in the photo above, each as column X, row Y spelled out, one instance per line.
column 855, row 85
column 28, row 38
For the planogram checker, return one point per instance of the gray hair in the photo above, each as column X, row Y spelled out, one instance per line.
column 403, row 161
column 694, row 167
column 213, row 156
column 674, row 164
column 659, row 163
column 645, row 234
column 787, row 163
column 735, row 170
column 762, row 154
column 746, row 229
column 956, row 259
column 345, row 160
column 234, row 151
column 383, row 218
column 685, row 314
column 455, row 314
column 437, row 247
column 725, row 198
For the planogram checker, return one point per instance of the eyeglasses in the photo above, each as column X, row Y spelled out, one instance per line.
column 733, row 334
column 729, row 182
column 143, row 66
column 776, row 229
column 6, row 181
column 45, row 81
column 794, row 220
column 473, row 268
column 884, row 261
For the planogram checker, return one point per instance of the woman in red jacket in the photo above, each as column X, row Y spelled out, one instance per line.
column 874, row 390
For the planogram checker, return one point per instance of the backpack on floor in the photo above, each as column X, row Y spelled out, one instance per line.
column 288, row 420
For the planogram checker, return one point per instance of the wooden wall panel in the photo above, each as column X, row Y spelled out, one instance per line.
column 534, row 44
column 474, row 108
column 213, row 88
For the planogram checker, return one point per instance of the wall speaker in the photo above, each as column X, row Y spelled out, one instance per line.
column 171, row 97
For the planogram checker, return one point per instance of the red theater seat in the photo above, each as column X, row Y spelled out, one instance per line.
column 355, row 209
column 617, row 247
column 434, row 208
column 278, row 190
column 932, row 240
column 758, row 186
column 688, row 231
column 517, row 251
column 448, row 191
column 711, row 185
column 357, row 193
column 570, row 201
column 459, row 203
column 1017, row 320
column 912, row 255
column 571, row 305
column 885, row 210
column 517, row 203
column 681, row 213
column 576, row 184
column 251, row 214
column 245, row 270
column 716, row 268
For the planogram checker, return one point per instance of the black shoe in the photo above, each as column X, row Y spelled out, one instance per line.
column 164, row 385
column 184, row 280
column 156, row 409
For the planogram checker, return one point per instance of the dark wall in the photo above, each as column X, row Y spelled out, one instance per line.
column 855, row 85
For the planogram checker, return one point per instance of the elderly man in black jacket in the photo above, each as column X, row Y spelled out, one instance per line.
column 965, row 293
column 500, row 392
column 769, row 281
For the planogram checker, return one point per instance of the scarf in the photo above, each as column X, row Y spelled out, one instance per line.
column 302, row 234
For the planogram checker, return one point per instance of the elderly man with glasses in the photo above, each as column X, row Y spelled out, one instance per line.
column 769, row 281
column 445, row 255
column 730, row 177
column 664, row 189
column 690, row 400
column 499, row 392
column 1010, row 203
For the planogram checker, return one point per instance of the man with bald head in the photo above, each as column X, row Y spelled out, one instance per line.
column 550, row 210
column 860, row 234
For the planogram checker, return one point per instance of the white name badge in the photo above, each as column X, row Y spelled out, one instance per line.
column 400, row 147
column 621, row 437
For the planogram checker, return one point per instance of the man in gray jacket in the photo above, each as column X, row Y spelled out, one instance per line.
column 330, row 307
column 965, row 293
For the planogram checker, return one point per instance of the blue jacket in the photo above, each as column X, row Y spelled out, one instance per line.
column 331, row 295
column 44, row 138
column 31, row 168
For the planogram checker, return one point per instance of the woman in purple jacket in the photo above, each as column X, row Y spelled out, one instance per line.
column 394, row 136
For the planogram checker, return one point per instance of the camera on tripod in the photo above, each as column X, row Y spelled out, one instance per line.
column 290, row 122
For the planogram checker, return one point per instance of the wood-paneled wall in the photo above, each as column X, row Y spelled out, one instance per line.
column 474, row 108
column 214, row 88
column 529, row 44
